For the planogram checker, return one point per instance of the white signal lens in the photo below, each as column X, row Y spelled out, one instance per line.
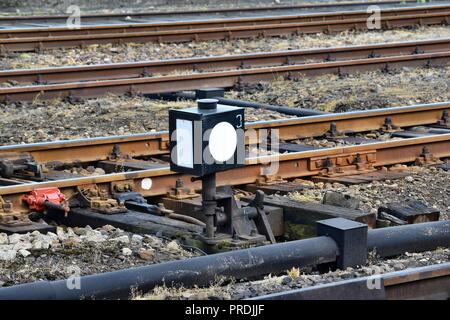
column 222, row 141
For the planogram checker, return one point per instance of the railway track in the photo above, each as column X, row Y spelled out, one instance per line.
column 140, row 161
column 51, row 38
column 141, row 17
column 219, row 63
column 143, row 78
column 126, row 181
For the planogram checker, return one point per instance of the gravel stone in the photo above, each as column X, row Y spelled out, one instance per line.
column 24, row 253
column 136, row 238
column 8, row 255
column 53, row 256
column 127, row 252
column 122, row 239
column 3, row 238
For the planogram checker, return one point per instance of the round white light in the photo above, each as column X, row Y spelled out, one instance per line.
column 146, row 183
column 222, row 141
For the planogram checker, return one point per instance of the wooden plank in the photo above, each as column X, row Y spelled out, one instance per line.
column 308, row 212
column 132, row 221
column 33, row 226
column 412, row 211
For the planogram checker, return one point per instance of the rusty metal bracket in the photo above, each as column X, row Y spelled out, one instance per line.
column 164, row 143
column 10, row 217
column 388, row 126
column 445, row 120
column 122, row 186
column 333, row 132
column 179, row 192
column 116, row 154
column 99, row 200
column 427, row 158
column 269, row 180
column 146, row 73
column 345, row 164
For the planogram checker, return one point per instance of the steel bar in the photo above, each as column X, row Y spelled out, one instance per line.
column 129, row 28
column 10, row 21
column 217, row 29
column 300, row 112
column 244, row 61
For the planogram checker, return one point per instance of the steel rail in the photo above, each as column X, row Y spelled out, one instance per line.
column 290, row 165
column 219, row 63
column 156, row 143
column 13, row 20
column 224, row 79
column 429, row 282
column 216, row 23
column 250, row 28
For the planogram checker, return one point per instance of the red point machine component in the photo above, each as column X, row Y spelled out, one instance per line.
column 42, row 199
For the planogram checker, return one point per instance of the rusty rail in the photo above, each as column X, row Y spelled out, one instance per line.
column 156, row 143
column 224, row 79
column 220, row 63
column 291, row 165
column 52, row 38
column 14, row 20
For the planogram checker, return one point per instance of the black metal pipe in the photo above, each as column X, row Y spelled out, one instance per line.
column 209, row 203
column 201, row 271
column 299, row 112
column 419, row 237
column 238, row 264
